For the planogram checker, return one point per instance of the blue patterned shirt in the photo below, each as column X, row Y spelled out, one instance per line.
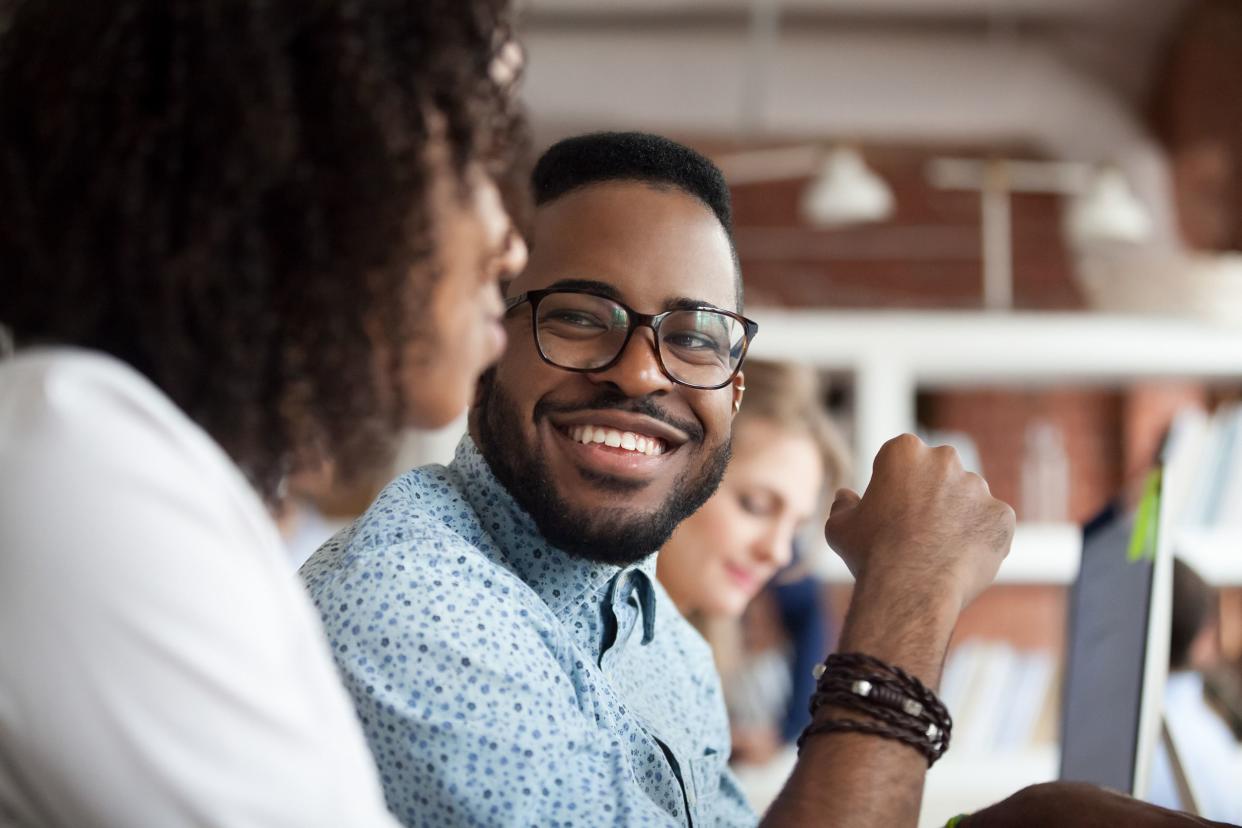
column 501, row 681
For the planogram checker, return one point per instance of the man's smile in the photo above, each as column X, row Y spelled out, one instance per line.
column 612, row 438
column 616, row 443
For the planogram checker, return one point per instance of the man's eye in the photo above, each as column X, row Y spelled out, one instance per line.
column 574, row 318
column 693, row 341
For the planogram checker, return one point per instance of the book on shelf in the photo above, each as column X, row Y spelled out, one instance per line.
column 998, row 696
column 1203, row 482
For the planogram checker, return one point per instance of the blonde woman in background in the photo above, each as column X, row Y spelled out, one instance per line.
column 786, row 453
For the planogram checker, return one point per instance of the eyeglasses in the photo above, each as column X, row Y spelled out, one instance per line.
column 581, row 331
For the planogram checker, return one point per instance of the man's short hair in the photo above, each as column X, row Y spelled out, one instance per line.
column 600, row 157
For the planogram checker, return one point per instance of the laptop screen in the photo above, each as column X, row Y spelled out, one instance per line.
column 1105, row 660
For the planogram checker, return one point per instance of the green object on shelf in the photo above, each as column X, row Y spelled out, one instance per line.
column 956, row 821
column 1146, row 523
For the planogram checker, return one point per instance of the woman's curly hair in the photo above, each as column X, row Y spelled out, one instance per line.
column 232, row 196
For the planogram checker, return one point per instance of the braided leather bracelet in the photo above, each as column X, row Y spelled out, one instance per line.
column 899, row 706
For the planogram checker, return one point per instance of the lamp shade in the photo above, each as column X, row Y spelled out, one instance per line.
column 846, row 191
column 1107, row 211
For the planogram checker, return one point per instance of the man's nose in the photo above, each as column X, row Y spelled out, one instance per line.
column 637, row 373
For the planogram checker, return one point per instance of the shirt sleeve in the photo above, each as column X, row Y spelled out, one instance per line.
column 158, row 666
column 466, row 696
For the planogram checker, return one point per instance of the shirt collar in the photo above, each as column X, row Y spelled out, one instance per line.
column 562, row 580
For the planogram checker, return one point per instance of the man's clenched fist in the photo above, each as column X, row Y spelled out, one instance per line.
column 924, row 523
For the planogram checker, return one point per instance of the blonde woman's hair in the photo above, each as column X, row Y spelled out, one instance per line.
column 790, row 396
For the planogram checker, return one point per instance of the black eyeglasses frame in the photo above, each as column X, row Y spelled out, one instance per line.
column 636, row 320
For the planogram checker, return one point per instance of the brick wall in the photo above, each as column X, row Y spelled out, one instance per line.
column 928, row 256
column 1090, row 421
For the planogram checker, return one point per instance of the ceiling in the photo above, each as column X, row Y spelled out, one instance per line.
column 1064, row 78
column 1028, row 9
column 700, row 58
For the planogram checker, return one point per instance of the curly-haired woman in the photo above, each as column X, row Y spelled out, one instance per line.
column 238, row 239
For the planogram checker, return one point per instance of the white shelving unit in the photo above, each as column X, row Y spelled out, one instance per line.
column 1049, row 553
column 961, row 785
column 955, row 785
column 893, row 354
column 1215, row 554
column 1042, row 553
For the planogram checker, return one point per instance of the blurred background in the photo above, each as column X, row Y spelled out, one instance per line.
column 1008, row 225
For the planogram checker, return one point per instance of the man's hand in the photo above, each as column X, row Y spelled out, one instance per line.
column 924, row 524
column 922, row 542
column 1077, row 805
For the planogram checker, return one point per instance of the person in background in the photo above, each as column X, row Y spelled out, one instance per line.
column 239, row 239
column 1209, row 755
column 722, row 559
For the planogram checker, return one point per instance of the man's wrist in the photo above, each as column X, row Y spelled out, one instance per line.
column 908, row 625
column 903, row 570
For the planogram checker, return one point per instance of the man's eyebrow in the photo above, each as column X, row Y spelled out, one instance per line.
column 599, row 288
column 686, row 303
column 610, row 292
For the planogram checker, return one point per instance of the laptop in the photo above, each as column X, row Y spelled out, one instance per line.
column 1118, row 650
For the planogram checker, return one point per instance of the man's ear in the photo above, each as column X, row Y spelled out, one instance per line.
column 739, row 388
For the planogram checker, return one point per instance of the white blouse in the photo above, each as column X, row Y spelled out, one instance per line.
column 160, row 665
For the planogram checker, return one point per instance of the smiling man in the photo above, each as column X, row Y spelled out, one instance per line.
column 609, row 447
column 498, row 621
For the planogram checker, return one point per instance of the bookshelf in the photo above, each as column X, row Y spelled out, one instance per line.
column 959, row 784
column 1042, row 553
column 1048, row 553
column 1215, row 553
column 955, row 785
column 894, row 354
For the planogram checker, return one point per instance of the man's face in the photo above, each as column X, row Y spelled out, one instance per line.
column 653, row 250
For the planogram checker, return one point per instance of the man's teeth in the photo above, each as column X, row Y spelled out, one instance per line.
column 628, row 440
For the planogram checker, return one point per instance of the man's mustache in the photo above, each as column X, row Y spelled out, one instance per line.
column 616, row 401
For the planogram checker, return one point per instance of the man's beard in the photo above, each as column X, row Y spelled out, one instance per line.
column 614, row 535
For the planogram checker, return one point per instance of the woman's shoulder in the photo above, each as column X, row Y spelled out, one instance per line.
column 55, row 399
column 88, row 445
